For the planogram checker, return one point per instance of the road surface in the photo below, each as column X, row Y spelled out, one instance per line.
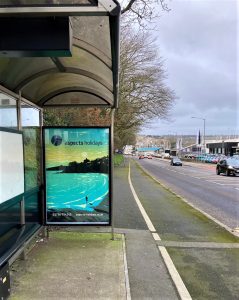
column 217, row 195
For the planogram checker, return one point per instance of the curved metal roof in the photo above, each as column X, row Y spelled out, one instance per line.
column 88, row 77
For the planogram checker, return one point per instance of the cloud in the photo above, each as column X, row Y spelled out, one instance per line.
column 198, row 41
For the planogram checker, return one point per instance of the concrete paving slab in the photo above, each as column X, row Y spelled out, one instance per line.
column 203, row 245
column 72, row 265
column 148, row 275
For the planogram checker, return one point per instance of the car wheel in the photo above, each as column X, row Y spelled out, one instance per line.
column 228, row 173
column 218, row 172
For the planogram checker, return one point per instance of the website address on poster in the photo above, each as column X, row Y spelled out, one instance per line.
column 87, row 215
column 77, row 214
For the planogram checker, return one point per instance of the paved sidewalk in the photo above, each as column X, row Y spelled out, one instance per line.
column 70, row 266
column 149, row 277
column 84, row 263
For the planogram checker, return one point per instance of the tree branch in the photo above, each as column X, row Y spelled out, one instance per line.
column 128, row 6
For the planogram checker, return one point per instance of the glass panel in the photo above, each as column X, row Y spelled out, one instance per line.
column 9, row 216
column 12, row 3
column 30, row 116
column 8, row 111
column 31, row 138
column 32, row 206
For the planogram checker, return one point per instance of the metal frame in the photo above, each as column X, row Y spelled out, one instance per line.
column 51, row 95
column 16, row 97
column 14, row 252
column 19, row 101
column 104, row 8
column 21, row 202
column 110, row 178
column 22, row 250
column 57, row 11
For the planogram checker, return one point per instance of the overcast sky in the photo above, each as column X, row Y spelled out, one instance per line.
column 198, row 42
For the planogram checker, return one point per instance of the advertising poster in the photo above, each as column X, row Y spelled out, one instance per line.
column 77, row 175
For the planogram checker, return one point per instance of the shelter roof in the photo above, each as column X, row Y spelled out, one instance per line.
column 89, row 76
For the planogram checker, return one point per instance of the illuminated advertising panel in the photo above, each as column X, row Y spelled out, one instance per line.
column 77, row 175
column 11, row 165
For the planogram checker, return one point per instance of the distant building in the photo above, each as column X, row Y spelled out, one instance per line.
column 227, row 146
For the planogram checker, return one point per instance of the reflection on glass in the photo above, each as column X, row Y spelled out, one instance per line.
column 30, row 116
column 31, row 137
column 8, row 111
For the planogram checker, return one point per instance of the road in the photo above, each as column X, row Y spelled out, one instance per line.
column 152, row 217
column 216, row 195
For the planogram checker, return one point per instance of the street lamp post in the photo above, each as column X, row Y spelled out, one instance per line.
column 204, row 131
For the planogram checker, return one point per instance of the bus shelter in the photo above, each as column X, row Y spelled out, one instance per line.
column 52, row 53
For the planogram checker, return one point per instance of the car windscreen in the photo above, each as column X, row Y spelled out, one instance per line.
column 233, row 162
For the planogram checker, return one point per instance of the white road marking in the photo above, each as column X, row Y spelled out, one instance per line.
column 127, row 286
column 215, row 182
column 229, row 184
column 182, row 290
column 180, row 286
column 142, row 210
column 183, row 173
column 224, row 178
column 156, row 236
column 224, row 184
column 203, row 177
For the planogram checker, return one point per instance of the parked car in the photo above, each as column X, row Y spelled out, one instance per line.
column 228, row 166
column 150, row 157
column 141, row 156
column 175, row 161
column 215, row 159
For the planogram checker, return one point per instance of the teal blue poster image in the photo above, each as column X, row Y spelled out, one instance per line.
column 77, row 175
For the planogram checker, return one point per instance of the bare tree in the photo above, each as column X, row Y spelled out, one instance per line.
column 143, row 11
column 143, row 93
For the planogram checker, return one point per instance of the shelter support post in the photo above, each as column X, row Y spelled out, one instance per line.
column 22, row 212
column 112, row 172
column 22, row 202
column 19, row 125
